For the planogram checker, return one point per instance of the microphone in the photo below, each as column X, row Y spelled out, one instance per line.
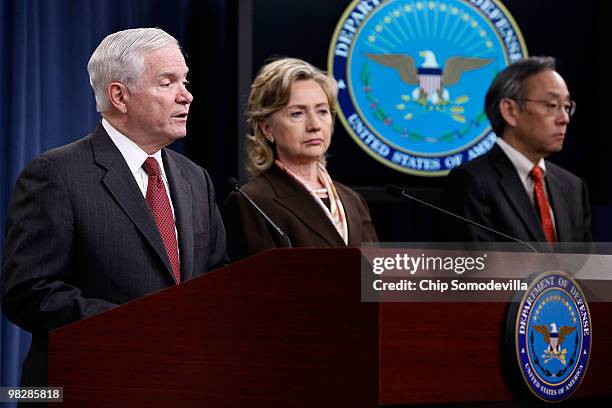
column 399, row 192
column 234, row 185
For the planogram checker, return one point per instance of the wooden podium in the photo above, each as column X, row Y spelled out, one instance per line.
column 287, row 328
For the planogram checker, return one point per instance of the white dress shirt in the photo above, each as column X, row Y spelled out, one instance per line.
column 523, row 167
column 135, row 157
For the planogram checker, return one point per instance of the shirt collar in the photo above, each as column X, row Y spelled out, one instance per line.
column 131, row 152
column 521, row 163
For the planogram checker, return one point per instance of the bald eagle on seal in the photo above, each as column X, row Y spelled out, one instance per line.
column 552, row 337
column 432, row 80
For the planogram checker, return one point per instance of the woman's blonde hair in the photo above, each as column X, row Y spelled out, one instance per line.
column 270, row 92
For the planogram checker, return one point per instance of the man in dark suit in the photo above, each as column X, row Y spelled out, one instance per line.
column 512, row 188
column 113, row 216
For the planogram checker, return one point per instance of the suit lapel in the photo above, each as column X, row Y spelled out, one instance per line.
column 353, row 224
column 180, row 192
column 515, row 193
column 559, row 205
column 302, row 205
column 121, row 184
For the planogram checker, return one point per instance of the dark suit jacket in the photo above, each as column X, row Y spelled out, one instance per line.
column 294, row 210
column 488, row 190
column 81, row 239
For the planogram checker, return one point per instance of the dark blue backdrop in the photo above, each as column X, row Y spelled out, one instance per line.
column 46, row 100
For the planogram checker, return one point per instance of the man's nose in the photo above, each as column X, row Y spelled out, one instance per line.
column 563, row 116
column 184, row 96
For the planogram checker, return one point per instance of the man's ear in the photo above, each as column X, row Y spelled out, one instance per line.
column 118, row 96
column 509, row 110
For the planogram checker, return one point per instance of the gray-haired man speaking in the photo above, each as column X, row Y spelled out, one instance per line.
column 113, row 216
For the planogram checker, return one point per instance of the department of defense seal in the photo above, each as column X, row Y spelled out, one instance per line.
column 412, row 78
column 553, row 336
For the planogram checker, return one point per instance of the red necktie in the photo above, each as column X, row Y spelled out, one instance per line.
column 159, row 203
column 542, row 202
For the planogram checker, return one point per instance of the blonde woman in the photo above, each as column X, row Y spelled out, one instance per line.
column 291, row 112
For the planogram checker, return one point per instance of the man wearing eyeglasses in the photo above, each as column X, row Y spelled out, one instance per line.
column 512, row 188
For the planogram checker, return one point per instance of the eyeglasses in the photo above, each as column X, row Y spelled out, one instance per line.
column 554, row 107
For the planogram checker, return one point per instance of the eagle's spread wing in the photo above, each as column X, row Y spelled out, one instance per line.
column 564, row 331
column 456, row 66
column 403, row 63
column 543, row 330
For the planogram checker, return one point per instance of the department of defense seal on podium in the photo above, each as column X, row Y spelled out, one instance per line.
column 413, row 76
column 553, row 336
